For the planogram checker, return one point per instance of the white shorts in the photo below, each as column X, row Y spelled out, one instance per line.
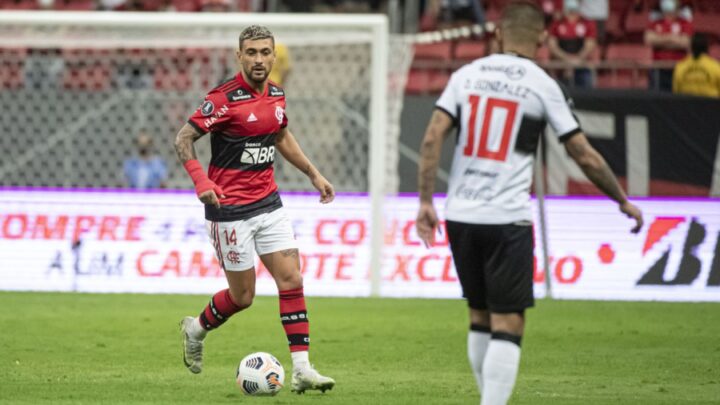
column 237, row 242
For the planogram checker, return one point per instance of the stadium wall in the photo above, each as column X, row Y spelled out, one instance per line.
column 155, row 242
column 657, row 144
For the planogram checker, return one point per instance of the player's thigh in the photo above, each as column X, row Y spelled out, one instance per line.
column 467, row 252
column 275, row 243
column 509, row 268
column 233, row 244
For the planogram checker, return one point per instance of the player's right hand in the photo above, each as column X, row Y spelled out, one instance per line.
column 211, row 193
column 634, row 212
column 426, row 223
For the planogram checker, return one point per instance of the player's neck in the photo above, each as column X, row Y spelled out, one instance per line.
column 524, row 51
column 257, row 87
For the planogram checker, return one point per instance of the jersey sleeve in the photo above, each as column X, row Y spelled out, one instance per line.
column 212, row 115
column 557, row 104
column 448, row 101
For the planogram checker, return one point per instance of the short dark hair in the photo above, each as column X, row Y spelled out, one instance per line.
column 254, row 32
column 698, row 45
column 522, row 20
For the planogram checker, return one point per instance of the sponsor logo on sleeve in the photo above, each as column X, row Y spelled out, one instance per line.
column 207, row 108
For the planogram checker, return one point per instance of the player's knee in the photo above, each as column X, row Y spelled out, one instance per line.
column 290, row 280
column 244, row 300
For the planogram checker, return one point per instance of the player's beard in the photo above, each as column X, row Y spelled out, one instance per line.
column 253, row 78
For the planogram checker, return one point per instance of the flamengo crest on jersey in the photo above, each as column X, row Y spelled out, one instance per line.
column 501, row 104
column 244, row 125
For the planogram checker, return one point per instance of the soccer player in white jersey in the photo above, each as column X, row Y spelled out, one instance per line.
column 501, row 104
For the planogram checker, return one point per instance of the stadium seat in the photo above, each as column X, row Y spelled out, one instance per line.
column 543, row 54
column 707, row 23
column 11, row 75
column 470, row 49
column 426, row 81
column 86, row 69
column 715, row 51
column 74, row 5
column 434, row 51
column 186, row 5
column 19, row 5
column 635, row 25
column 629, row 52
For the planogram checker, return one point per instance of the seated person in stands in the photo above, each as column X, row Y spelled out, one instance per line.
column 698, row 74
column 146, row 170
column 572, row 40
column 456, row 13
column 670, row 38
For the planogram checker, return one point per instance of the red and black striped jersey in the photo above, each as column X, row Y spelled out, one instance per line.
column 243, row 125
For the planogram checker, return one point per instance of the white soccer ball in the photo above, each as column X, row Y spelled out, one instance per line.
column 260, row 374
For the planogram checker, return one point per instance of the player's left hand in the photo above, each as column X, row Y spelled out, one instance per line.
column 426, row 223
column 633, row 212
column 327, row 192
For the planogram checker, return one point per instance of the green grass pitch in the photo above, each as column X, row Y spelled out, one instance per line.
column 91, row 349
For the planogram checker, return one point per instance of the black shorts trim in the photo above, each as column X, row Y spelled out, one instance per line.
column 229, row 213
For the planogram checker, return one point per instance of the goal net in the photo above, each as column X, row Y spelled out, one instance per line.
column 78, row 88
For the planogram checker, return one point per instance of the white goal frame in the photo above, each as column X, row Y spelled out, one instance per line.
column 375, row 25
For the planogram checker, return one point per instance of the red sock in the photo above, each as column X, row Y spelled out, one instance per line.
column 294, row 319
column 220, row 308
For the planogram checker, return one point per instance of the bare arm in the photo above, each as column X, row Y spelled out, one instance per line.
column 430, row 149
column 184, row 143
column 599, row 173
column 207, row 191
column 556, row 51
column 675, row 41
column 587, row 49
column 287, row 145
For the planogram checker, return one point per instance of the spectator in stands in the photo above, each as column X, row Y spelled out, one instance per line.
column 572, row 40
column 670, row 38
column 698, row 74
column 597, row 11
column 281, row 68
column 147, row 170
column 215, row 6
column 456, row 13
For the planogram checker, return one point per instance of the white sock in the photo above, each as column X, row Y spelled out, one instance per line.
column 477, row 345
column 499, row 371
column 300, row 359
column 196, row 331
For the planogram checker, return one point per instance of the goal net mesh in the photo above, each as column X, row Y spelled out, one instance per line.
column 76, row 96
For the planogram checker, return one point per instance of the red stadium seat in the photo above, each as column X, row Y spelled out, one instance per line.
column 19, row 5
column 86, row 69
column 434, row 51
column 186, row 5
column 715, row 51
column 635, row 25
column 425, row 81
column 543, row 54
column 11, row 75
column 629, row 52
column 470, row 49
column 707, row 23
column 74, row 5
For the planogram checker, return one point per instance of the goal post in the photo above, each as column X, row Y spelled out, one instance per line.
column 80, row 86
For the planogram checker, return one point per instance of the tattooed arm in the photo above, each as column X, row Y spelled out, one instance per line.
column 430, row 149
column 599, row 173
column 184, row 143
column 207, row 191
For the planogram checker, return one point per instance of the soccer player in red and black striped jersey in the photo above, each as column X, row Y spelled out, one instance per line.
column 245, row 116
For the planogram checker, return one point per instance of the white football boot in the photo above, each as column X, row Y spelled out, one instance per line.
column 309, row 379
column 192, row 348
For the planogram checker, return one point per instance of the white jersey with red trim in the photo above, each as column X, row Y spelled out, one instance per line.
column 501, row 104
